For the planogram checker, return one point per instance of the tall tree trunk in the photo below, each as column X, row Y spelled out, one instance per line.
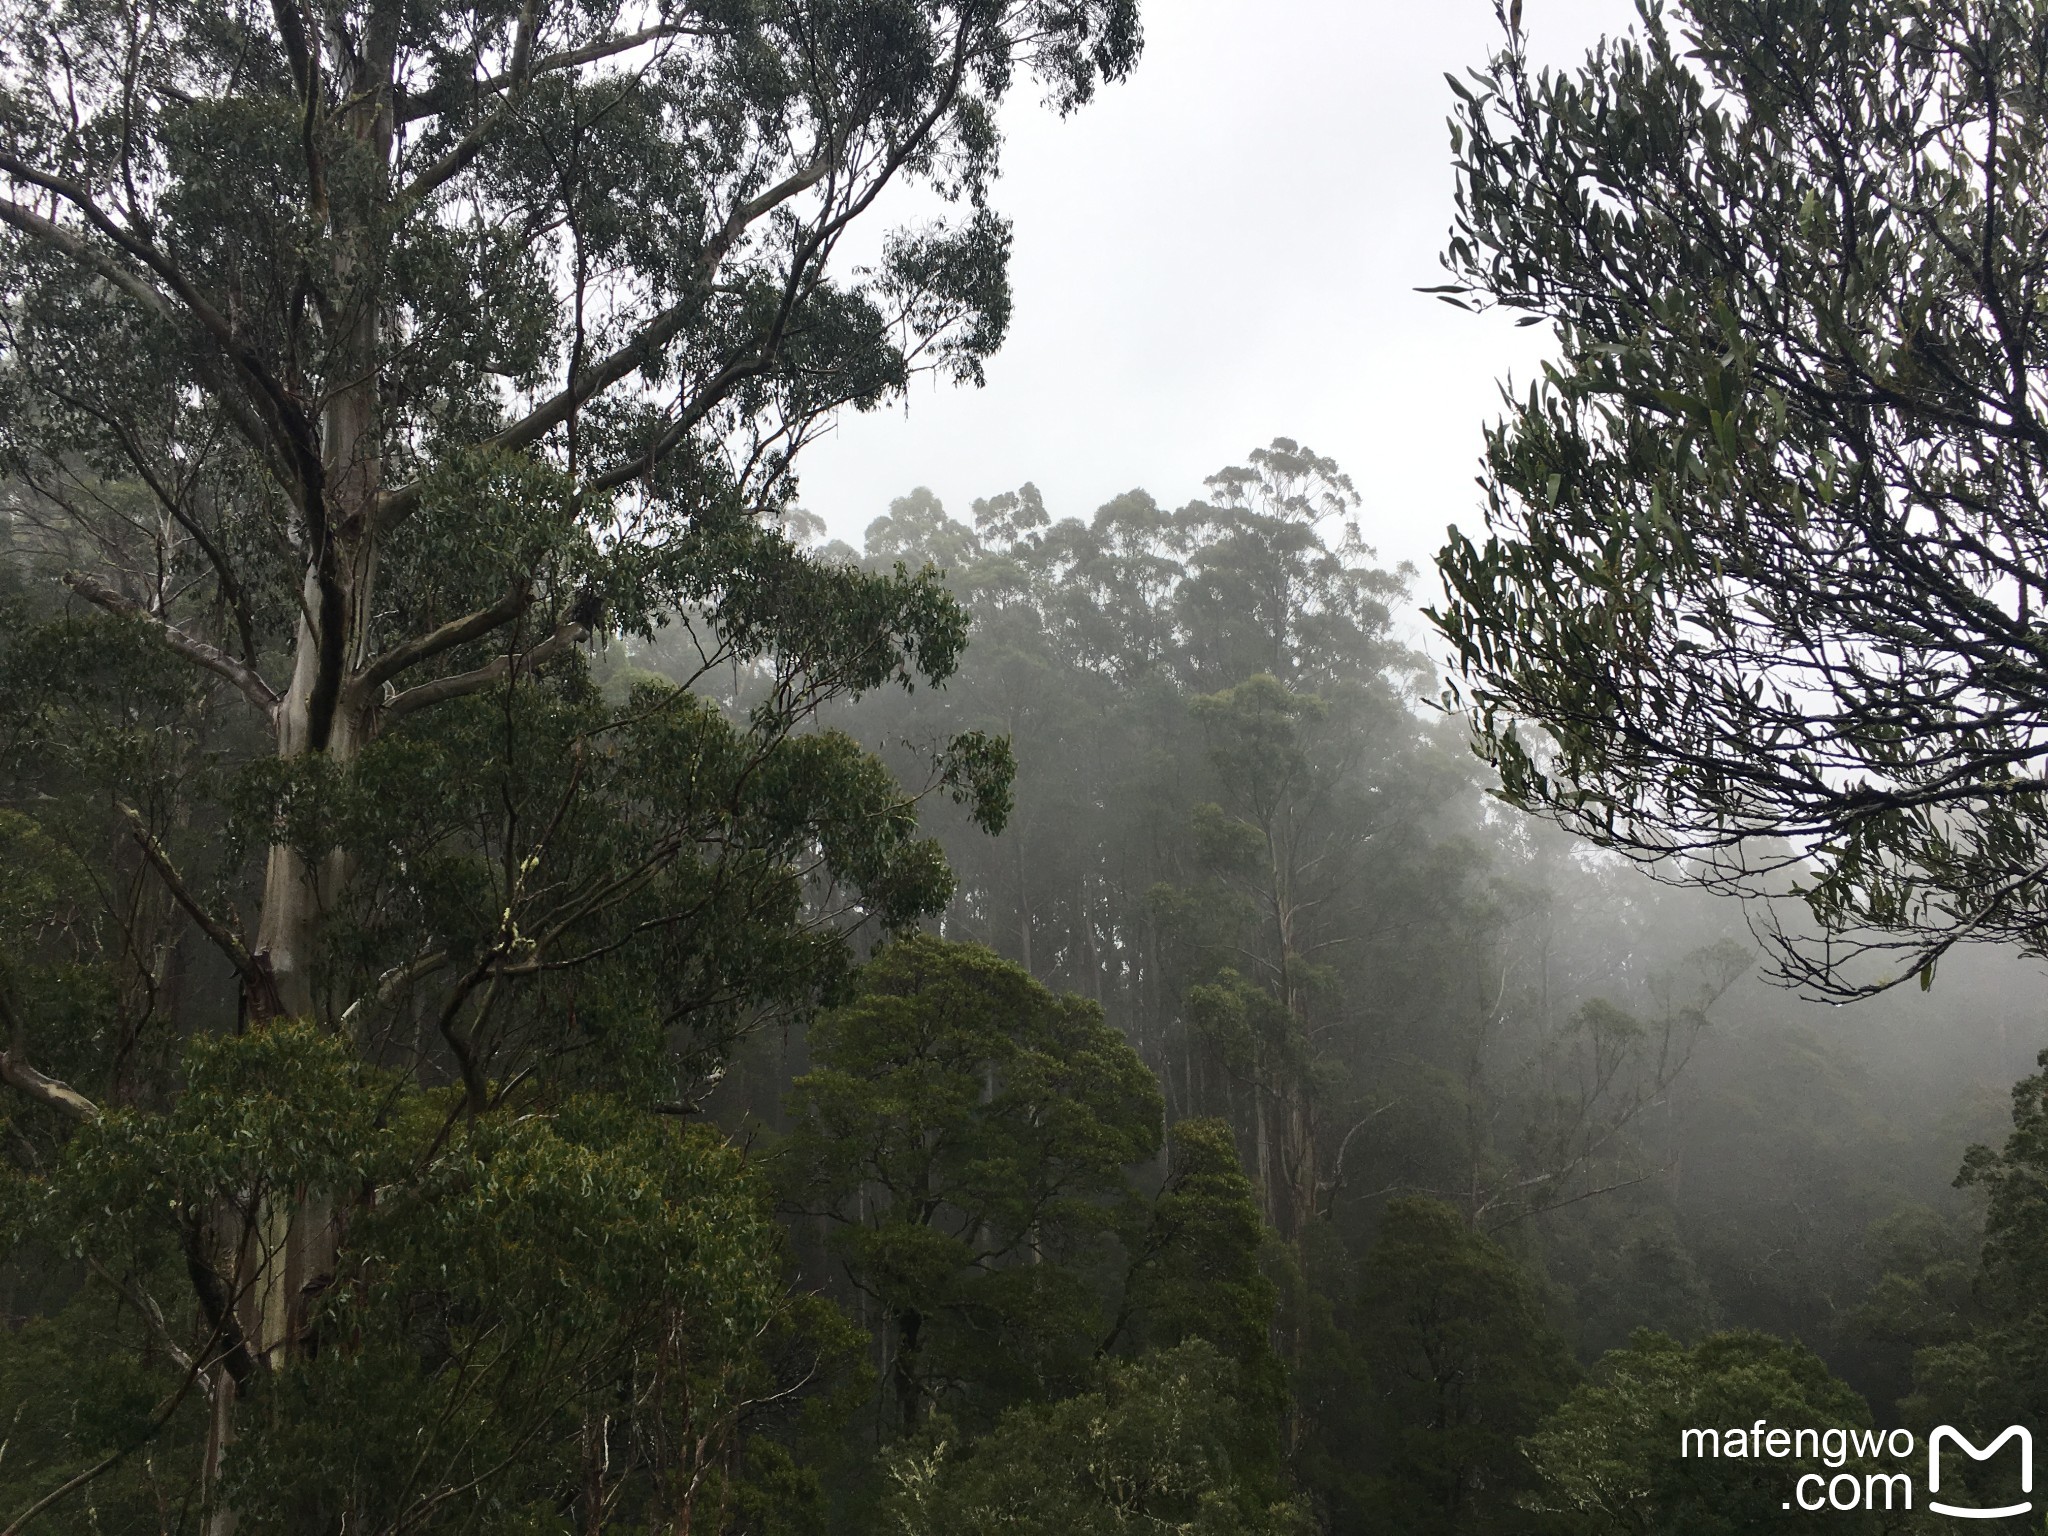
column 1023, row 898
column 220, row 1431
column 296, row 1241
column 1301, row 1159
column 1262, row 1152
column 903, row 1370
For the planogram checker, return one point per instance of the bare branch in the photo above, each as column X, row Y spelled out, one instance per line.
column 193, row 649
column 425, row 647
column 506, row 667
column 1334, row 1186
column 390, row 984
column 19, row 1075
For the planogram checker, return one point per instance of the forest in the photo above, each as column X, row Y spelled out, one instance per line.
column 543, row 990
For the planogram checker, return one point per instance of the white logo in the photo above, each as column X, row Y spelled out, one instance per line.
column 1934, row 1470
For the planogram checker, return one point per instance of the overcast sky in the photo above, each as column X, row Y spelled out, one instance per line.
column 1222, row 250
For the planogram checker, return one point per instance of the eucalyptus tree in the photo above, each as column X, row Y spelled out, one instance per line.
column 966, row 1133
column 1463, row 1362
column 1974, row 1325
column 1274, row 849
column 1276, row 579
column 1765, row 545
column 1601, row 1462
column 1165, row 1443
column 366, row 360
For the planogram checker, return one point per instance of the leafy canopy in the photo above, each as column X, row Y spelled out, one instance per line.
column 361, row 363
column 1608, row 1458
column 967, row 1133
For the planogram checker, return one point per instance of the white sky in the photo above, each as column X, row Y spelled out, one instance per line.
column 1222, row 250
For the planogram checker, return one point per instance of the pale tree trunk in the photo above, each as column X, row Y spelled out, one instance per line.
column 219, row 1431
column 1291, row 1196
column 292, row 1253
column 1262, row 1152
column 1302, row 1161
column 1023, row 899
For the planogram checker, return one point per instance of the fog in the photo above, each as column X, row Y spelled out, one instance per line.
column 1592, row 1066
column 1227, row 250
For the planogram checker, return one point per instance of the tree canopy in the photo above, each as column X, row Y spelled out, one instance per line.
column 1157, row 1449
column 959, row 1117
column 1608, row 1459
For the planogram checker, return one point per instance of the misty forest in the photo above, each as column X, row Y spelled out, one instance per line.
column 552, row 982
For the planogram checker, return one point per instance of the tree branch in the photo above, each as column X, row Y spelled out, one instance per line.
column 159, row 1416
column 157, row 303
column 217, row 1301
column 436, row 101
column 637, row 352
column 167, row 496
column 425, row 647
column 19, row 1075
column 508, row 666
column 255, row 973
column 665, row 326
column 292, row 427
column 139, row 1298
column 63, row 1490
column 291, row 30
column 517, row 79
column 193, row 649
column 389, row 985
column 763, row 355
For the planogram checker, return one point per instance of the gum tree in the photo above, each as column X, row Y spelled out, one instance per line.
column 1764, row 560
column 964, row 1135
column 362, row 362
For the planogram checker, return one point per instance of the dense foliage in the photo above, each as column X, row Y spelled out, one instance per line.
column 1606, row 1459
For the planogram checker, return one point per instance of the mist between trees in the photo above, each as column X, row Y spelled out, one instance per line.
column 1501, row 1101
column 540, row 997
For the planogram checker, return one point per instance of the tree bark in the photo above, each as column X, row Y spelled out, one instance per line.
column 903, row 1370
column 294, row 1248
